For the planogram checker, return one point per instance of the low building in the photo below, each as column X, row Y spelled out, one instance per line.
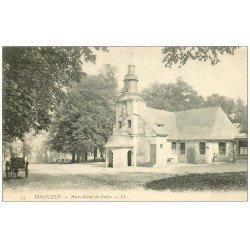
column 143, row 136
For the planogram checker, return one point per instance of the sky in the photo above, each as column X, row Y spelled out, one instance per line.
column 227, row 78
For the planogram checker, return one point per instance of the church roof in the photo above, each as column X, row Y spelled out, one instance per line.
column 119, row 140
column 206, row 123
column 197, row 124
column 161, row 121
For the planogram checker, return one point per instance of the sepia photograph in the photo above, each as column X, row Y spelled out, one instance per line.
column 124, row 123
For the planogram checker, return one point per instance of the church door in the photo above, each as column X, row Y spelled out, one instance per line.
column 191, row 155
column 110, row 159
column 152, row 154
column 130, row 158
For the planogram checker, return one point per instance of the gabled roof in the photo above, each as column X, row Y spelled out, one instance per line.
column 162, row 122
column 197, row 124
column 223, row 128
column 206, row 123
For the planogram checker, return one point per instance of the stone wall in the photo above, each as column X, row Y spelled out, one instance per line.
column 212, row 152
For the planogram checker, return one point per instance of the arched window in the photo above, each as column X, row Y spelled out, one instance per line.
column 202, row 148
column 222, row 148
column 129, row 123
column 110, row 159
column 119, row 124
column 130, row 155
column 183, row 148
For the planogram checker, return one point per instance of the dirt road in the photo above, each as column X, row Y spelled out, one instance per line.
column 84, row 182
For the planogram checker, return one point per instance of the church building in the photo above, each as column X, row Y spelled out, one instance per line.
column 144, row 136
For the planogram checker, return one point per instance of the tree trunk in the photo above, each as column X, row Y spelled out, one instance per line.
column 78, row 157
column 86, row 156
column 12, row 154
column 95, row 153
column 24, row 150
column 73, row 159
column 83, row 156
column 46, row 157
column 101, row 155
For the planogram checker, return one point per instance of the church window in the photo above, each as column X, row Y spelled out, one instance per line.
column 202, row 148
column 183, row 149
column 161, row 145
column 129, row 123
column 120, row 124
column 173, row 146
column 243, row 147
column 222, row 148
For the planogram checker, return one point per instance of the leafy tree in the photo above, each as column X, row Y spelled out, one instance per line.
column 180, row 96
column 85, row 121
column 240, row 116
column 177, row 96
column 19, row 148
column 33, row 82
column 180, row 55
column 227, row 104
column 235, row 110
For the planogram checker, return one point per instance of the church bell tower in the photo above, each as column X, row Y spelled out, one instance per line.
column 129, row 104
column 130, row 80
column 121, row 148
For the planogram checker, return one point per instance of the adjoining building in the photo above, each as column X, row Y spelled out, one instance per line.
column 144, row 136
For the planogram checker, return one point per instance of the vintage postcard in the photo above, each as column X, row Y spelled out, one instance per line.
column 125, row 123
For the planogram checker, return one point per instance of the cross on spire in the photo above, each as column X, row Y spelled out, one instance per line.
column 131, row 56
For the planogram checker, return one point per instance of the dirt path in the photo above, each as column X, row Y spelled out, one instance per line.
column 78, row 182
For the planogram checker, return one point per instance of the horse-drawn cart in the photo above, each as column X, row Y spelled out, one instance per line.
column 16, row 165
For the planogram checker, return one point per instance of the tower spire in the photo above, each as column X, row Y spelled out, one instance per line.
column 130, row 80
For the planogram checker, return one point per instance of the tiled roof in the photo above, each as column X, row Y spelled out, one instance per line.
column 161, row 121
column 197, row 124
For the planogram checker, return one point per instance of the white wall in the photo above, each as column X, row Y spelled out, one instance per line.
column 211, row 149
column 161, row 152
column 215, row 150
column 165, row 152
column 120, row 157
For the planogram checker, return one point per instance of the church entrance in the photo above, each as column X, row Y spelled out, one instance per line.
column 110, row 159
column 130, row 153
column 152, row 154
column 191, row 155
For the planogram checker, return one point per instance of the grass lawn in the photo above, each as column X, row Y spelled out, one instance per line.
column 199, row 182
column 86, row 181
